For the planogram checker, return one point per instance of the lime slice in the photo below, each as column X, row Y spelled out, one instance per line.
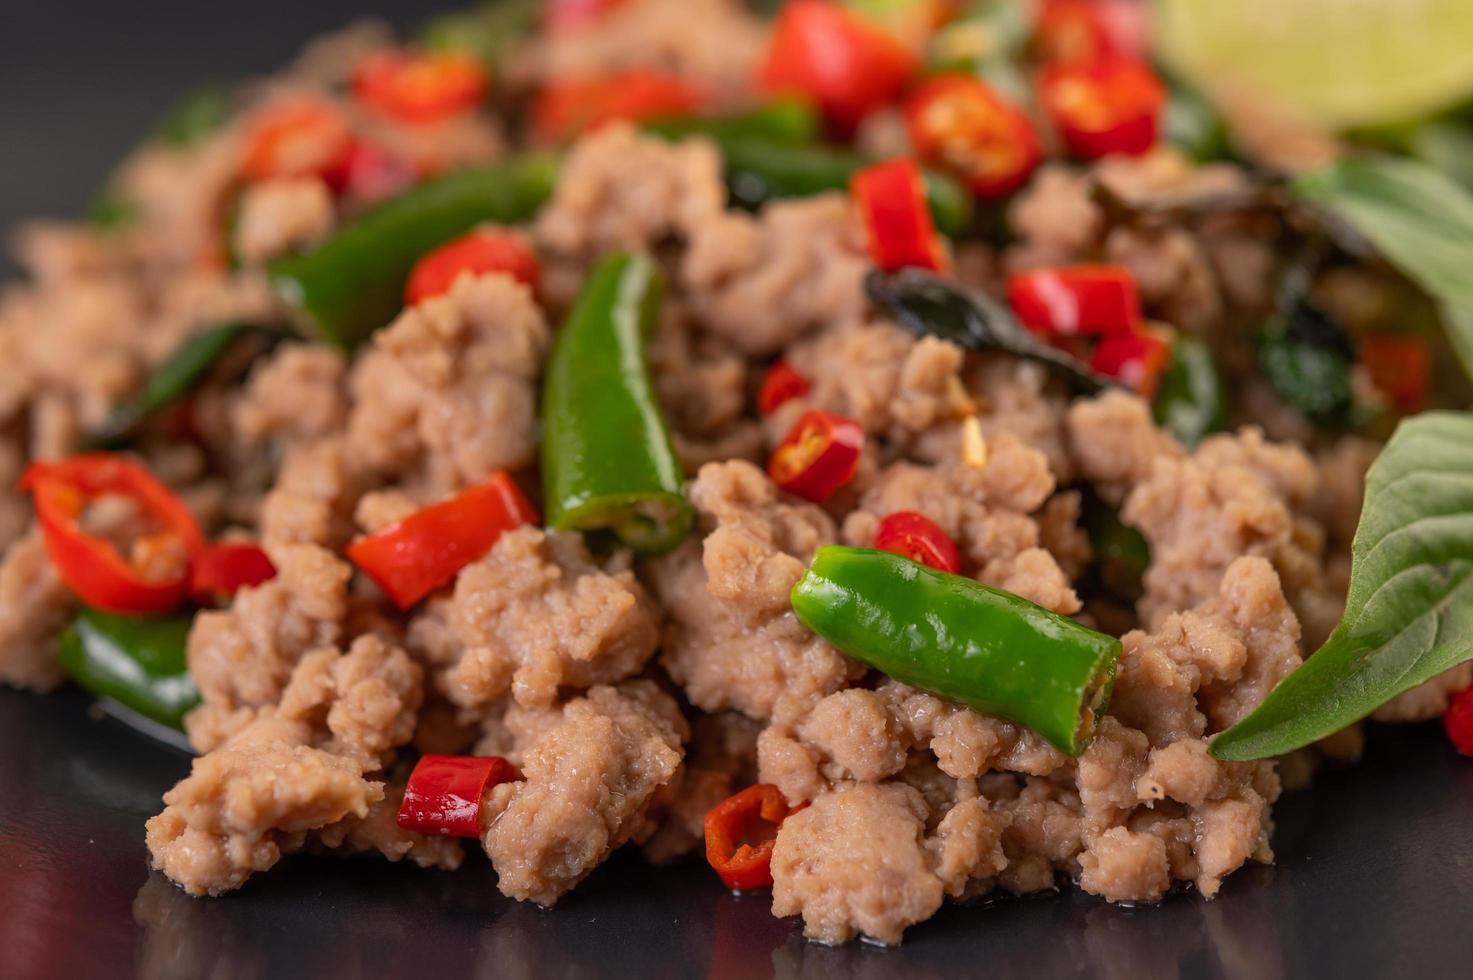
column 1340, row 63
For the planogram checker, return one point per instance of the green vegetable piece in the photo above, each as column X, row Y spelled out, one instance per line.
column 1309, row 375
column 1190, row 402
column 1446, row 145
column 1409, row 614
column 1121, row 553
column 485, row 30
column 111, row 210
column 988, row 42
column 138, row 661
column 170, row 381
column 990, row 650
column 607, row 463
column 1192, row 125
column 353, row 283
column 791, row 122
column 195, row 116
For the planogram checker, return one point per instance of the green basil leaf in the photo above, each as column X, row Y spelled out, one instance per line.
column 1409, row 614
column 1421, row 221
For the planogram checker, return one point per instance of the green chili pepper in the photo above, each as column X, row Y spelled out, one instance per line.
column 138, row 661
column 786, row 121
column 485, row 30
column 353, row 283
column 195, row 116
column 1121, row 553
column 1307, row 357
column 993, row 651
column 607, row 463
column 1190, row 402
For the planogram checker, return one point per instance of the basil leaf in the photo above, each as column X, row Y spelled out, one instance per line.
column 1418, row 218
column 1409, row 615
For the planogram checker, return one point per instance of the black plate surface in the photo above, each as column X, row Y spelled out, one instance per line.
column 1375, row 872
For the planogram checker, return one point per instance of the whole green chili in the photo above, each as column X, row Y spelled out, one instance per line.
column 607, row 462
column 990, row 650
column 138, row 661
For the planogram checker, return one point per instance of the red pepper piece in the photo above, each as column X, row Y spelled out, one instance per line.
column 1135, row 359
column 959, row 123
column 897, row 220
column 568, row 107
column 369, row 173
column 420, row 88
column 415, row 556
column 1457, row 721
column 484, row 249
column 918, row 538
column 443, row 795
column 221, row 569
column 1081, row 32
column 1400, row 366
column 832, row 56
column 562, row 15
column 1110, row 106
column 740, row 833
column 781, row 383
column 297, row 137
column 153, row 577
column 818, row 456
column 1072, row 300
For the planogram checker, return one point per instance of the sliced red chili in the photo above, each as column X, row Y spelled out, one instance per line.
column 369, row 173
column 918, row 538
column 740, row 833
column 297, row 137
column 1080, row 32
column 420, row 87
column 781, row 383
column 959, row 123
column 443, row 795
column 1457, row 721
column 819, row 456
column 568, row 107
column 1400, row 366
column 1135, row 359
column 897, row 220
column 832, row 56
column 219, row 570
column 485, row 249
column 1109, row 106
column 1071, row 300
column 153, row 577
column 415, row 556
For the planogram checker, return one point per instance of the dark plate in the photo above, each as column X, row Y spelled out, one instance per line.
column 1375, row 872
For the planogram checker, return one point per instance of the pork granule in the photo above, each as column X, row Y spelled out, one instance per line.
column 34, row 606
column 297, row 394
column 280, row 216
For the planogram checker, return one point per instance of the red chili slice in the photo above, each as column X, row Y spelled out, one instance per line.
column 443, row 795
column 781, row 383
column 818, row 456
column 1457, row 721
column 1072, row 300
column 740, row 833
column 484, row 249
column 152, row 579
column 844, row 64
column 897, row 220
column 1080, row 32
column 918, row 538
column 420, row 88
column 957, row 122
column 415, row 556
column 297, row 137
column 219, row 570
column 369, row 173
column 568, row 107
column 1135, row 359
column 1110, row 106
column 1400, row 366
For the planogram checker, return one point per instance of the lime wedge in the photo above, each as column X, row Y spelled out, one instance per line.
column 1339, row 63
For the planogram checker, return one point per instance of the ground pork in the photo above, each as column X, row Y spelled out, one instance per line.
column 588, row 782
column 720, row 760
column 280, row 216
column 703, row 386
column 296, row 394
column 315, row 497
column 34, row 606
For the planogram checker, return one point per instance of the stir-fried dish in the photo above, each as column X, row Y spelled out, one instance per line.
column 896, row 450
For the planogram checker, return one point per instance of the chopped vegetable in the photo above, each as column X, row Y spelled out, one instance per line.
column 781, row 383
column 1121, row 553
column 1110, row 106
column 1457, row 721
column 220, row 570
column 957, row 122
column 988, row 42
column 1137, row 359
column 567, row 107
column 485, row 30
column 411, row 558
column 607, row 463
column 444, row 793
column 1409, row 613
column 153, row 576
column 917, row 537
column 140, row 662
column 892, row 202
column 819, row 455
column 371, row 174
column 1400, row 366
column 420, row 88
column 1080, row 299
column 1190, row 401
column 1306, row 356
column 197, row 115
column 1082, row 32
column 302, row 136
column 788, row 121
column 990, row 650
column 740, row 833
column 845, row 64
column 353, row 283
column 481, row 250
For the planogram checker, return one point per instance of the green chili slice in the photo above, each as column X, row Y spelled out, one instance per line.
column 353, row 283
column 791, row 122
column 990, row 650
column 138, row 661
column 607, row 463
column 1190, row 402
